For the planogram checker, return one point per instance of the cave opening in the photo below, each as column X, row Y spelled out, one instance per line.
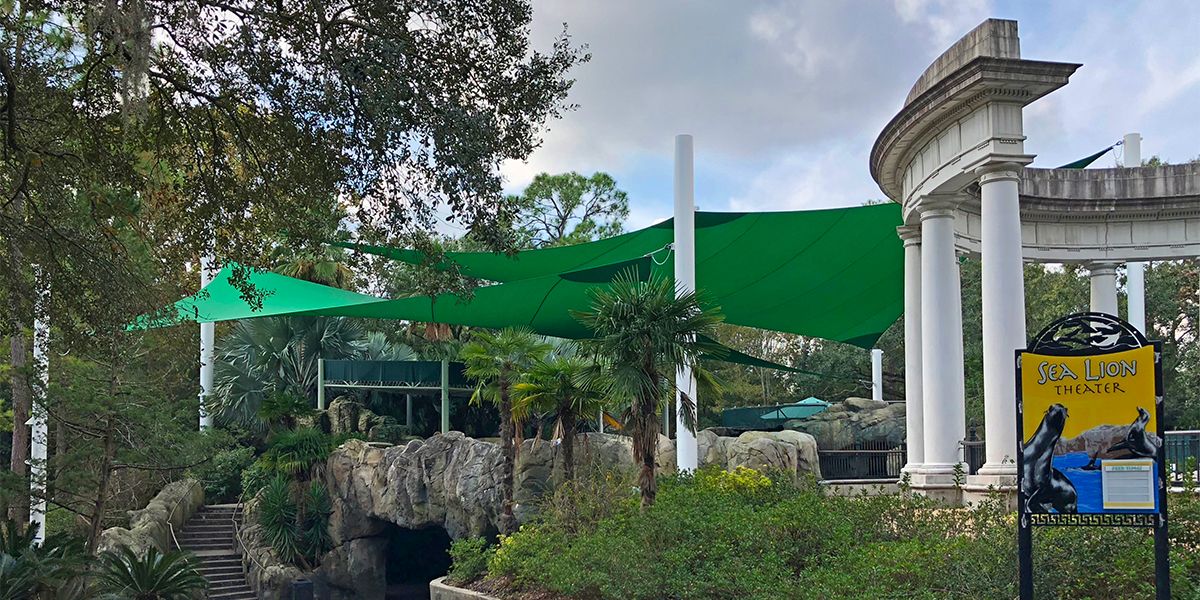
column 414, row 558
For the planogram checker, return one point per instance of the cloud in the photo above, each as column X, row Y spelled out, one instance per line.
column 785, row 98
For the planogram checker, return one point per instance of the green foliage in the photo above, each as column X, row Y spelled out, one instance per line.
column 222, row 476
column 281, row 410
column 558, row 386
column 568, row 208
column 273, row 360
column 295, row 521
column 155, row 576
column 38, row 572
column 744, row 535
column 470, row 556
column 295, row 452
column 495, row 360
column 643, row 331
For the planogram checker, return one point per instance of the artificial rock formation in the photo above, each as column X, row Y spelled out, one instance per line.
column 151, row 526
column 453, row 481
column 857, row 422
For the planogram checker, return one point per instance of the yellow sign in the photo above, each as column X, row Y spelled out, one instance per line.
column 1097, row 390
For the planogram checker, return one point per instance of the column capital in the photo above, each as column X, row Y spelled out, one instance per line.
column 1101, row 267
column 999, row 162
column 909, row 234
column 999, row 172
column 936, row 206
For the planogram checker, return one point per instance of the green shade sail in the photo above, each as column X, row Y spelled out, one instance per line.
column 835, row 274
column 1084, row 162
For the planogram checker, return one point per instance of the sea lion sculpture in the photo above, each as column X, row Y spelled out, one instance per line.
column 1044, row 486
column 1136, row 441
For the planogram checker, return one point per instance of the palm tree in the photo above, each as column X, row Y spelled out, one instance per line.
column 264, row 357
column 495, row 361
column 325, row 268
column 645, row 330
column 557, row 385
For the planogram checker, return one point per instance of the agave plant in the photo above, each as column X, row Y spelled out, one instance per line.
column 264, row 357
column 155, row 576
column 646, row 330
column 558, row 386
column 495, row 361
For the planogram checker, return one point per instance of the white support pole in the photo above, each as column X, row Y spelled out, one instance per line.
column 208, row 334
column 914, row 416
column 1135, row 272
column 320, row 384
column 38, row 422
column 445, row 395
column 686, row 449
column 876, row 374
column 1003, row 293
column 408, row 412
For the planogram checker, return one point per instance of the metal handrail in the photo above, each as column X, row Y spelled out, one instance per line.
column 237, row 532
column 170, row 527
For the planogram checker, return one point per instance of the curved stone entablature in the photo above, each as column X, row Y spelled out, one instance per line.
column 1078, row 215
column 963, row 114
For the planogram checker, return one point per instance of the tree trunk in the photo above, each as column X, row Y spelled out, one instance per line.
column 508, row 521
column 22, row 404
column 568, row 443
column 101, row 501
column 645, row 446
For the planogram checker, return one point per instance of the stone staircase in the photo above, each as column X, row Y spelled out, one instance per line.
column 209, row 536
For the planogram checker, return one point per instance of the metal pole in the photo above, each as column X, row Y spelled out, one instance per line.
column 876, row 374
column 408, row 412
column 686, row 450
column 445, row 396
column 320, row 384
column 1135, row 272
column 208, row 334
column 37, row 420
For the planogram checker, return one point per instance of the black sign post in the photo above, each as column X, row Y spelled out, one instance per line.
column 1081, row 376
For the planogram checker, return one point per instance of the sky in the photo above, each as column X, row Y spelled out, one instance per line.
column 785, row 98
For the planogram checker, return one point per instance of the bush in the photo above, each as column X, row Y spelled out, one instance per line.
column 222, row 476
column 747, row 535
column 470, row 556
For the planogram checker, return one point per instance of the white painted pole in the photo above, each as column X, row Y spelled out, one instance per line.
column 320, row 384
column 686, row 449
column 1103, row 279
column 941, row 343
column 208, row 335
column 876, row 374
column 1135, row 272
column 38, row 417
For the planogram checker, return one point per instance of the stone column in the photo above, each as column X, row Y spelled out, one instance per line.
column 944, row 413
column 1104, row 287
column 1003, row 288
column 913, row 414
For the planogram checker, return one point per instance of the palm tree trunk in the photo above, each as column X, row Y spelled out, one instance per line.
column 568, row 442
column 100, row 504
column 645, row 444
column 508, row 522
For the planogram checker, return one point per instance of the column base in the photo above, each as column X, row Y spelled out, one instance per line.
column 992, row 480
column 938, row 481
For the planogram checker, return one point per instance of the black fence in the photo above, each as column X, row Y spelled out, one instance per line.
column 1183, row 454
column 863, row 461
column 974, row 454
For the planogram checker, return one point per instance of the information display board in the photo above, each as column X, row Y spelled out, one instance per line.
column 1089, row 434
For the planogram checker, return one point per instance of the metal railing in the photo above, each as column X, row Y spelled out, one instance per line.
column 864, row 461
column 171, row 515
column 974, row 455
column 1182, row 450
column 239, row 509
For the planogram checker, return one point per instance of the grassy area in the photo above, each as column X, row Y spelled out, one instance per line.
column 746, row 535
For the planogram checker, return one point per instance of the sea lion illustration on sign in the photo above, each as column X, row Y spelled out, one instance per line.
column 1136, row 441
column 1044, row 486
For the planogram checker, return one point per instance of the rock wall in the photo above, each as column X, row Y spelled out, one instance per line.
column 857, row 421
column 453, row 481
column 151, row 526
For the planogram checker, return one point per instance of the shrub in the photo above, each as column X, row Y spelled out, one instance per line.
column 470, row 559
column 155, row 576
column 222, row 476
column 744, row 535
